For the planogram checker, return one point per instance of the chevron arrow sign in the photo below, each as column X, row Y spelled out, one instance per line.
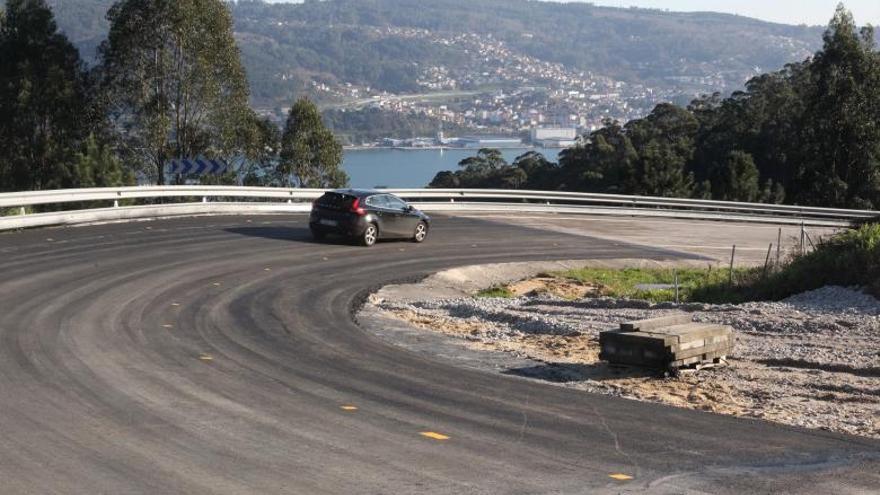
column 199, row 166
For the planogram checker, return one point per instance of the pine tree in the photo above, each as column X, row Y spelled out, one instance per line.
column 840, row 134
column 44, row 110
column 98, row 166
column 310, row 154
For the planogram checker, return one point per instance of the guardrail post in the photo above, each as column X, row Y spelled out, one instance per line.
column 116, row 203
column 204, row 199
column 23, row 211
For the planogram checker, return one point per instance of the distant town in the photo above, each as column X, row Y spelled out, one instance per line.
column 516, row 99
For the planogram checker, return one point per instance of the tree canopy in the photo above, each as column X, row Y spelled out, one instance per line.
column 310, row 154
column 44, row 102
column 173, row 81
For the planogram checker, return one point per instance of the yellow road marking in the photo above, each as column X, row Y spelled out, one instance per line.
column 434, row 435
column 267, row 269
column 620, row 476
column 175, row 304
column 205, row 357
column 167, row 325
column 216, row 284
column 348, row 408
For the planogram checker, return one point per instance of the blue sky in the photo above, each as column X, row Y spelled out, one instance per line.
column 813, row 12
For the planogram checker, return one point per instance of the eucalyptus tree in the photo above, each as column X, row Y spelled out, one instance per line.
column 173, row 83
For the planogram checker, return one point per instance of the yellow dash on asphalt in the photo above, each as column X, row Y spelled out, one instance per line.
column 620, row 476
column 267, row 269
column 434, row 435
column 217, row 284
column 205, row 357
column 175, row 304
column 167, row 325
column 348, row 408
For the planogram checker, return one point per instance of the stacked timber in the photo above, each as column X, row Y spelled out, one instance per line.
column 667, row 342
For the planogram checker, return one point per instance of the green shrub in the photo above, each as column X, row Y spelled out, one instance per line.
column 847, row 259
column 496, row 291
column 10, row 212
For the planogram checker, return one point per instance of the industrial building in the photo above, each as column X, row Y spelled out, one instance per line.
column 489, row 142
column 553, row 137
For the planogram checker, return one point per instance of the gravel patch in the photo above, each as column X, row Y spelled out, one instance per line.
column 811, row 360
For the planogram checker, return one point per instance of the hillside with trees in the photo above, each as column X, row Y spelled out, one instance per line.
column 804, row 135
column 386, row 44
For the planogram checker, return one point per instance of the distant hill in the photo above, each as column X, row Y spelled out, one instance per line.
column 388, row 44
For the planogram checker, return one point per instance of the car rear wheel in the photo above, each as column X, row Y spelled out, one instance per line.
column 371, row 233
column 421, row 232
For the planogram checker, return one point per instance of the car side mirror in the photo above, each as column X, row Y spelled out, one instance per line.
column 409, row 208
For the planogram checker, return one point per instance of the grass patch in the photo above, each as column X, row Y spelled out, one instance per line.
column 851, row 258
column 625, row 283
column 496, row 291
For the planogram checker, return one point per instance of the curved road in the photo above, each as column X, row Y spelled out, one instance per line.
column 220, row 355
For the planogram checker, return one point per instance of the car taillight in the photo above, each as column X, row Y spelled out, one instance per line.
column 356, row 207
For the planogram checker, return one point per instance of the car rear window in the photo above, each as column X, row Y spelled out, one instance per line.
column 335, row 201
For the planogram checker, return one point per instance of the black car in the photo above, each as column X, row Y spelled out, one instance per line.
column 367, row 216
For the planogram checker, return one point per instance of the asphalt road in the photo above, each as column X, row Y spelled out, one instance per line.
column 220, row 355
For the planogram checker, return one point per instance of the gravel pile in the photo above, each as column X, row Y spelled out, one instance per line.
column 811, row 360
column 835, row 299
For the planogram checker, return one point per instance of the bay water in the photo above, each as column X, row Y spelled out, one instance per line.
column 398, row 168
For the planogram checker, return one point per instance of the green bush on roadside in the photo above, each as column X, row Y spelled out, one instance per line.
column 11, row 212
column 496, row 291
column 851, row 258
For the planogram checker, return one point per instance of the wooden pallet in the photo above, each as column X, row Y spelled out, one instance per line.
column 670, row 342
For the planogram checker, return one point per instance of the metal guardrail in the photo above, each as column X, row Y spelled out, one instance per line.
column 219, row 200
